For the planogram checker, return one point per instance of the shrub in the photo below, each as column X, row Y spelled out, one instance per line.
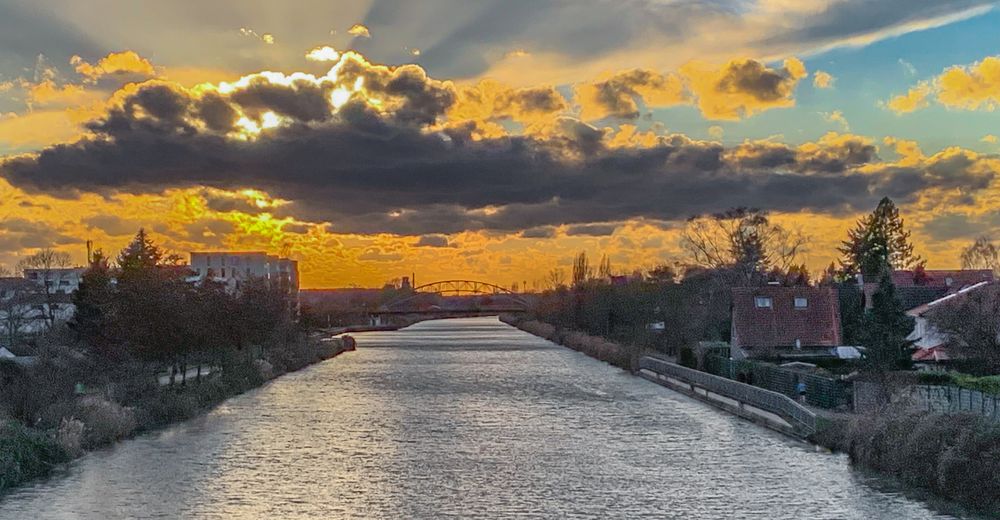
column 25, row 454
column 106, row 421
column 954, row 455
column 166, row 407
column 69, row 436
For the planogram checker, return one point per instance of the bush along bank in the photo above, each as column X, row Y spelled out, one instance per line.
column 64, row 425
column 621, row 356
column 956, row 456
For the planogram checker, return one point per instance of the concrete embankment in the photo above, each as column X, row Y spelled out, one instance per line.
column 771, row 409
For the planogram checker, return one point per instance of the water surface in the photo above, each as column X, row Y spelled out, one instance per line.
column 463, row 419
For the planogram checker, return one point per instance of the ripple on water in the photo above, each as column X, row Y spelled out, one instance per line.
column 462, row 419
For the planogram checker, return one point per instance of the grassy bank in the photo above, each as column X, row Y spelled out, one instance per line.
column 45, row 422
column 621, row 356
column 955, row 456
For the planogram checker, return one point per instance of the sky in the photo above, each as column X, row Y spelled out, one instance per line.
column 490, row 139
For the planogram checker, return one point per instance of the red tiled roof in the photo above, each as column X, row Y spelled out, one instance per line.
column 817, row 325
column 941, row 277
column 934, row 354
column 950, row 297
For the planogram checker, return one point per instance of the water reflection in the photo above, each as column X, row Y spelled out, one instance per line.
column 462, row 419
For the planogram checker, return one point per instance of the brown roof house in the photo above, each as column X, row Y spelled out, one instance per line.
column 788, row 322
column 922, row 286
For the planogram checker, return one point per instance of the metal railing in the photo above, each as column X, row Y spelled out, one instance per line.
column 823, row 392
column 779, row 404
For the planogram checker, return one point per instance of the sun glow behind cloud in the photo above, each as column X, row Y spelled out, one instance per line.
column 611, row 113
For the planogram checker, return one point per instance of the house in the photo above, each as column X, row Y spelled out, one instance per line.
column 932, row 344
column 25, row 309
column 922, row 286
column 787, row 322
column 58, row 280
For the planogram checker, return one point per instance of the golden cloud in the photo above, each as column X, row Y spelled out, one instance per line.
column 964, row 87
column 736, row 90
column 114, row 64
column 914, row 99
column 359, row 30
column 489, row 101
column 742, row 88
column 823, row 79
column 973, row 87
column 617, row 95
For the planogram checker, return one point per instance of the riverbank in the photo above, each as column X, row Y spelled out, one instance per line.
column 621, row 356
column 954, row 456
column 71, row 427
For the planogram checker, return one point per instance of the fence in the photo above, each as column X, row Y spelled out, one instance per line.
column 952, row 399
column 800, row 417
column 823, row 392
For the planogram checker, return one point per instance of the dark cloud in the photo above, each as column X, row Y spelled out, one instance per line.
column 301, row 100
column 618, row 95
column 370, row 170
column 591, row 230
column 537, row 99
column 433, row 241
column 539, row 232
column 423, row 99
column 756, row 80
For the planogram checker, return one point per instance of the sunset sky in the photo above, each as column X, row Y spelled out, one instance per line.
column 490, row 139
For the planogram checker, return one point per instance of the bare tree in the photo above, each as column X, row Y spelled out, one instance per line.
column 44, row 263
column 556, row 278
column 981, row 254
column 581, row 269
column 5, row 272
column 16, row 307
column 743, row 241
column 604, row 270
column 970, row 321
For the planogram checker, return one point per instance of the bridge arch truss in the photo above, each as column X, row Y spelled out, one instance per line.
column 458, row 288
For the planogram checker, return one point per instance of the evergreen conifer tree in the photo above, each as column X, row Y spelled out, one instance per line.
column 878, row 243
column 886, row 327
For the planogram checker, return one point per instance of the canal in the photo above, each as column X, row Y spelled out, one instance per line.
column 464, row 419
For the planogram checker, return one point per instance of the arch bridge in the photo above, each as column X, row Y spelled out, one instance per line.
column 456, row 297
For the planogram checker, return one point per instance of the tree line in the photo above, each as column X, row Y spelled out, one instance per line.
column 742, row 247
column 143, row 306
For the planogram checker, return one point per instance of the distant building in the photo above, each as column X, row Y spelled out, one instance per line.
column 776, row 321
column 25, row 308
column 233, row 269
column 58, row 280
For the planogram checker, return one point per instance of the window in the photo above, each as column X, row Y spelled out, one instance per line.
column 763, row 302
column 801, row 303
column 223, row 271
